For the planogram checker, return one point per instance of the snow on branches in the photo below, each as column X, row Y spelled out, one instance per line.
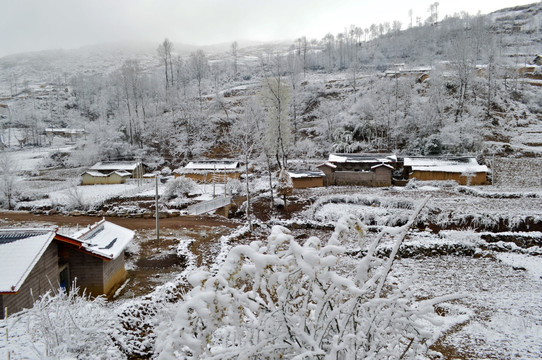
column 283, row 299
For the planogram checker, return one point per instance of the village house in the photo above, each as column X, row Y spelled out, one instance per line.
column 95, row 177
column 307, row 179
column 34, row 261
column 359, row 169
column 136, row 169
column 464, row 170
column 210, row 170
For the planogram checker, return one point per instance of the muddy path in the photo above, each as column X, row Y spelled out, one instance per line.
column 178, row 222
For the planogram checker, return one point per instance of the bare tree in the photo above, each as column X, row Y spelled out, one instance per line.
column 433, row 11
column 234, row 54
column 276, row 97
column 164, row 52
column 302, row 50
column 463, row 62
column 247, row 135
column 8, row 178
column 199, row 66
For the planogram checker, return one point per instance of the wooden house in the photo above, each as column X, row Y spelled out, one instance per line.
column 307, row 179
column 95, row 177
column 217, row 171
column 33, row 261
column 359, row 169
column 464, row 170
column 136, row 169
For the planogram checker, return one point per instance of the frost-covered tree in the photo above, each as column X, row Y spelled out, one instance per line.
column 284, row 185
column 8, row 179
column 234, row 50
column 276, row 97
column 247, row 135
column 463, row 62
column 164, row 53
column 199, row 67
column 179, row 187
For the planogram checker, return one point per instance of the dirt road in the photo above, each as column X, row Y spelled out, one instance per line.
column 178, row 222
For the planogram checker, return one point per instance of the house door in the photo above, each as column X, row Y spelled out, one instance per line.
column 64, row 277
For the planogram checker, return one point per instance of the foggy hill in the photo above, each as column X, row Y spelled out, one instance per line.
column 462, row 84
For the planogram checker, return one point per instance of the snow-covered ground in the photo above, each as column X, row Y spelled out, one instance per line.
column 500, row 316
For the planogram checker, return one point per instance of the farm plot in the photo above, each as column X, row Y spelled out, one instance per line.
column 482, row 242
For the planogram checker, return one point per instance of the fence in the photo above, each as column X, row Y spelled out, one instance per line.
column 210, row 205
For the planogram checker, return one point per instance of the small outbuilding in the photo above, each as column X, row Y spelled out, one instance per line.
column 307, row 179
column 370, row 170
column 95, row 177
column 464, row 170
column 210, row 170
column 34, row 261
column 135, row 169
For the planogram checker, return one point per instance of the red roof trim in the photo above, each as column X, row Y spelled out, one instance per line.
column 68, row 240
column 79, row 245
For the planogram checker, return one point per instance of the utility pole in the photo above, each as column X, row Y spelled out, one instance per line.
column 156, row 205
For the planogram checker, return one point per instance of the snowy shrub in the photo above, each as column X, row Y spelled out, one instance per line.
column 75, row 198
column 57, row 159
column 433, row 146
column 282, row 299
column 179, row 188
column 234, row 186
column 65, row 326
column 166, row 171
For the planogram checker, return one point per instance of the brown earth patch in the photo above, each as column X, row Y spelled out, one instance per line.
column 130, row 223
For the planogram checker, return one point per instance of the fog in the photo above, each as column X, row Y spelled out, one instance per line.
column 30, row 25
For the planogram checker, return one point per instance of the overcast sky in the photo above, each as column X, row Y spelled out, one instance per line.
column 29, row 25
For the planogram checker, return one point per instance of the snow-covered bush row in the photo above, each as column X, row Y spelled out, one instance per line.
column 496, row 194
column 281, row 299
column 480, row 221
column 393, row 203
column 415, row 184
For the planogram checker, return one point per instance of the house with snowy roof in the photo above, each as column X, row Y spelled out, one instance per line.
column 91, row 177
column 307, row 179
column 34, row 261
column 210, row 170
column 359, row 169
column 464, row 170
column 136, row 169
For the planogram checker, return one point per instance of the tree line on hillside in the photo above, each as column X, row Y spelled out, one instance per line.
column 198, row 105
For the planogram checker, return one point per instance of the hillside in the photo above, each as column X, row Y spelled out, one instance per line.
column 467, row 84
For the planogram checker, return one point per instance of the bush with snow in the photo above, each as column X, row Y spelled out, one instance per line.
column 180, row 187
column 283, row 299
column 234, row 187
column 64, row 326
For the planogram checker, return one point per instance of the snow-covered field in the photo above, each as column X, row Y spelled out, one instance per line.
column 448, row 253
